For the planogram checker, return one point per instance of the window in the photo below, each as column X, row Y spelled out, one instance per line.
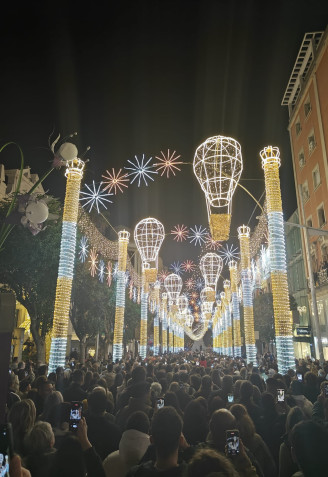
column 298, row 127
column 321, row 215
column 307, row 107
column 301, row 158
column 311, row 142
column 316, row 177
column 305, row 191
column 309, row 222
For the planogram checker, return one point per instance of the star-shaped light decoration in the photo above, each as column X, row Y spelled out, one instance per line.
column 93, row 262
column 188, row 266
column 229, row 253
column 168, row 163
column 197, row 235
column 190, row 283
column 141, row 170
column 95, row 197
column 115, row 181
column 180, row 232
column 83, row 248
column 162, row 275
column 176, row 267
column 212, row 244
column 101, row 271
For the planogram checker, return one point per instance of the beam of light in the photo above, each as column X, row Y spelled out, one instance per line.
column 115, row 181
column 229, row 253
column 141, row 170
column 168, row 163
column 83, row 248
column 197, row 235
column 188, row 266
column 95, row 197
column 180, row 232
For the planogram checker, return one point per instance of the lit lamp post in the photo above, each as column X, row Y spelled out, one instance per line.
column 282, row 315
column 123, row 240
column 243, row 235
column 235, row 309
column 74, row 172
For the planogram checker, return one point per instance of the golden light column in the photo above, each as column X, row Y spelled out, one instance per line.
column 123, row 240
column 164, row 322
column 243, row 235
column 157, row 287
column 227, row 290
column 282, row 315
column 235, row 309
column 74, row 173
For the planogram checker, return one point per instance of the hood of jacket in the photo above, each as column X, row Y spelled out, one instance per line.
column 133, row 446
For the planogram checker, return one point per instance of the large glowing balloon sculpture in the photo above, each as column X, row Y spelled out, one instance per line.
column 148, row 235
column 246, row 280
column 211, row 266
column 282, row 315
column 218, row 165
column 235, row 309
column 173, row 286
column 74, row 172
column 123, row 240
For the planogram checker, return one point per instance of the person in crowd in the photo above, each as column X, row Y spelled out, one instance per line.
column 273, row 424
column 195, row 424
column 50, row 402
column 208, row 462
column 297, row 394
column 41, row 388
column 22, row 418
column 205, row 388
column 246, row 398
column 318, row 413
column 171, row 399
column 132, row 447
column 139, row 401
column 39, row 444
column 167, row 437
column 75, row 392
column 311, row 387
column 59, row 420
column 287, row 466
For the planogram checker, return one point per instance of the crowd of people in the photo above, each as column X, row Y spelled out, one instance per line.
column 189, row 414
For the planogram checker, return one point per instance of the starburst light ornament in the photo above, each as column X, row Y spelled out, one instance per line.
column 115, row 181
column 141, row 170
column 190, row 283
column 229, row 253
column 176, row 267
column 188, row 266
column 101, row 271
column 93, row 262
column 218, row 166
column 162, row 275
column 95, row 197
column 212, row 244
column 84, row 248
column 168, row 163
column 180, row 232
column 197, row 235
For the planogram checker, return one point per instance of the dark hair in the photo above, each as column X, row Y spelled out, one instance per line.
column 139, row 421
column 97, row 401
column 166, row 430
column 138, row 374
column 69, row 459
column 309, row 441
column 195, row 425
column 246, row 390
column 195, row 381
column 206, row 382
column 206, row 462
column 77, row 376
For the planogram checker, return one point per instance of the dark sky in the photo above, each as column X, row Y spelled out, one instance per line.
column 144, row 76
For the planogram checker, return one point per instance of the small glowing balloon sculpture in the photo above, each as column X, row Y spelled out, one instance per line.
column 282, row 315
column 235, row 309
column 218, row 166
column 123, row 240
column 246, row 280
column 211, row 266
column 74, row 172
column 148, row 235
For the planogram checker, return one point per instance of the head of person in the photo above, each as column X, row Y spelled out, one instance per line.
column 156, row 390
column 221, row 421
column 69, row 459
column 227, row 383
column 59, row 415
column 206, row 383
column 294, row 416
column 138, row 421
column 52, row 400
column 141, row 390
column 174, row 387
column 208, row 462
column 244, row 423
column 138, row 374
column 166, row 432
column 22, row 418
column 246, row 391
column 97, row 401
column 309, row 448
column 78, row 376
column 195, row 381
column 296, row 388
column 40, row 439
column 43, row 386
column 310, row 379
column 195, row 424
column 172, row 400
column 215, row 403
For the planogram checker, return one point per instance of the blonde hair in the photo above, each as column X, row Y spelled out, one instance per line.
column 40, row 439
column 22, row 417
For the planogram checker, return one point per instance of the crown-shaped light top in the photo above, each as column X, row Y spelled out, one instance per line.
column 124, row 236
column 243, row 231
column 164, row 296
column 226, row 284
column 232, row 264
column 74, row 166
column 270, row 155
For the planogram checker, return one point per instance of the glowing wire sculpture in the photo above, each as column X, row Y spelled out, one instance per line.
column 141, row 170
column 115, row 181
column 211, row 266
column 123, row 240
column 176, row 267
column 188, row 266
column 235, row 309
column 229, row 253
column 180, row 232
column 282, row 315
column 212, row 244
column 95, row 197
column 101, row 271
column 243, row 234
column 173, row 286
column 148, row 235
column 84, row 248
column 197, row 235
column 207, row 301
column 93, row 262
column 74, row 172
column 218, row 166
column 190, row 283
column 168, row 163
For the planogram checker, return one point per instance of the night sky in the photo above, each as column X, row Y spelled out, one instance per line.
column 139, row 77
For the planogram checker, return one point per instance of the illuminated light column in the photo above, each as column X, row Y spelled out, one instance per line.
column 235, row 309
column 173, row 286
column 74, row 172
column 226, row 286
column 170, row 348
column 144, row 316
column 243, row 235
column 157, row 287
column 183, row 311
column 123, row 240
column 282, row 316
column 224, row 324
column 164, row 322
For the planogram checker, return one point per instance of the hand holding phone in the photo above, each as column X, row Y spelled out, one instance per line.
column 160, row 403
column 75, row 415
column 230, row 398
column 232, row 442
column 6, row 449
column 281, row 395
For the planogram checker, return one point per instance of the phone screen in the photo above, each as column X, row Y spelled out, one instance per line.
column 281, row 395
column 232, row 441
column 230, row 397
column 160, row 403
column 5, row 449
column 197, row 363
column 75, row 415
column 299, row 377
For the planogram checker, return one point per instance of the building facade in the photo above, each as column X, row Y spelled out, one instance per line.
column 306, row 96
